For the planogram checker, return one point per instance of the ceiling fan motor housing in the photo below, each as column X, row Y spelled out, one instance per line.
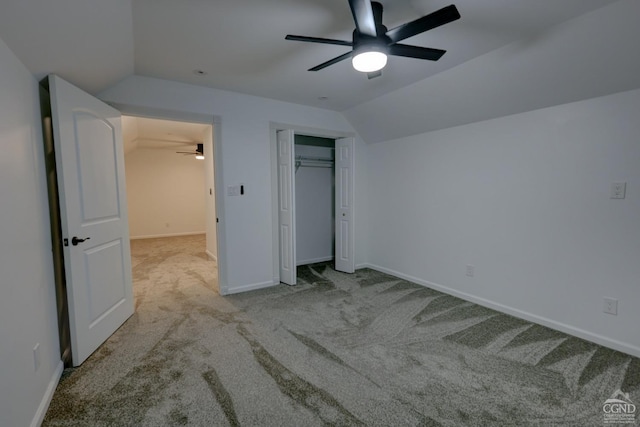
column 362, row 42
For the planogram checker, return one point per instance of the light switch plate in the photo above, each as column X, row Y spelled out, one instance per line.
column 36, row 357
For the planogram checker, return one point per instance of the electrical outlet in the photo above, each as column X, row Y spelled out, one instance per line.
column 36, row 357
column 471, row 270
column 610, row 306
column 618, row 190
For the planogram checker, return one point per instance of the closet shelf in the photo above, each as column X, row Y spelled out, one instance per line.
column 313, row 162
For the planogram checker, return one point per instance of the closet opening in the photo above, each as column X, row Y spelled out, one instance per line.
column 314, row 169
column 313, row 196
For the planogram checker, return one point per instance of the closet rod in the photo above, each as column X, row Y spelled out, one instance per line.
column 312, row 165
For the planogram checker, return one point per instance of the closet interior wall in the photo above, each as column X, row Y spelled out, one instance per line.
column 315, row 199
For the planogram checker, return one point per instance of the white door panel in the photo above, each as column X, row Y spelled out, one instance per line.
column 90, row 163
column 344, row 257
column 286, row 207
column 96, row 148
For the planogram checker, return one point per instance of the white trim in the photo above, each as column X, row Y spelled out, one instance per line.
column 211, row 255
column 247, row 288
column 48, row 395
column 314, row 260
column 275, row 234
column 162, row 114
column 156, row 236
column 562, row 327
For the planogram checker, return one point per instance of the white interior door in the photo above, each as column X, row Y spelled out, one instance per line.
column 344, row 257
column 286, row 207
column 90, row 164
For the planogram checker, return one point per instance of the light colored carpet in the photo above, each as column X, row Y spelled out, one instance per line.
column 338, row 349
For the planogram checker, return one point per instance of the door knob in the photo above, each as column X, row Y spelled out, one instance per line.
column 75, row 240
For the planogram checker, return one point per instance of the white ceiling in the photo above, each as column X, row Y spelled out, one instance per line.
column 89, row 43
column 240, row 44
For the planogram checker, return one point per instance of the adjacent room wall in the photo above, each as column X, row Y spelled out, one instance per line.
column 245, row 138
column 27, row 291
column 525, row 199
column 314, row 208
column 165, row 193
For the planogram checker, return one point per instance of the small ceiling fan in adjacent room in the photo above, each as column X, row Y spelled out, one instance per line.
column 372, row 42
column 199, row 152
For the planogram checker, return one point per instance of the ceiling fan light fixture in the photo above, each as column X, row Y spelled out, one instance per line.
column 369, row 60
column 372, row 41
column 200, row 152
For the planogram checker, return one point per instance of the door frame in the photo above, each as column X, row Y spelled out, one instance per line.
column 274, row 127
column 215, row 122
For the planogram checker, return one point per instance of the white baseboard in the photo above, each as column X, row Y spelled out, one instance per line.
column 562, row 327
column 211, row 255
column 314, row 260
column 156, row 236
column 48, row 395
column 247, row 288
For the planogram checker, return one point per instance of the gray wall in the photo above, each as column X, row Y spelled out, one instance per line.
column 524, row 199
column 27, row 290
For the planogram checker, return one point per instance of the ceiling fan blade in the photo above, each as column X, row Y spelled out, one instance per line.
column 363, row 17
column 440, row 17
column 331, row 61
column 186, row 152
column 374, row 74
column 318, row 40
column 416, row 52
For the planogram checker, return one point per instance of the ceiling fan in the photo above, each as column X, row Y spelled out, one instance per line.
column 199, row 153
column 372, row 42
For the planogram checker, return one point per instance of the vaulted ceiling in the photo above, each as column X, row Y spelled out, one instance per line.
column 240, row 46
